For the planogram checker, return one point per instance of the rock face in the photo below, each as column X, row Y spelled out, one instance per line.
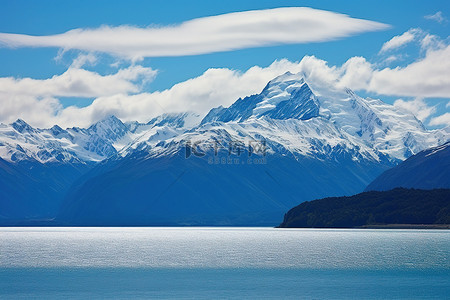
column 242, row 165
column 398, row 206
column 429, row 169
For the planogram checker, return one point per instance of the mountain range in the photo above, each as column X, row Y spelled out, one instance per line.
column 242, row 165
column 413, row 194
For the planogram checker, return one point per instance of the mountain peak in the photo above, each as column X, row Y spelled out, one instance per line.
column 285, row 81
column 287, row 96
column 21, row 126
column 288, row 77
column 19, row 122
column 177, row 120
column 56, row 130
column 109, row 128
column 110, row 121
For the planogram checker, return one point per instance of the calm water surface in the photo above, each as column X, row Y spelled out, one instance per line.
column 205, row 263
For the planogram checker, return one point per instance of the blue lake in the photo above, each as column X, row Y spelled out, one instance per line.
column 218, row 263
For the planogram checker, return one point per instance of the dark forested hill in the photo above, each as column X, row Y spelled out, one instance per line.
column 398, row 206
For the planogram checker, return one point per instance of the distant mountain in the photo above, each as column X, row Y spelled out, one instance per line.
column 242, row 165
column 38, row 166
column 32, row 192
column 21, row 142
column 394, row 207
column 429, row 169
column 313, row 147
column 173, row 190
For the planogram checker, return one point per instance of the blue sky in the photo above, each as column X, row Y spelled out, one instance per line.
column 160, row 72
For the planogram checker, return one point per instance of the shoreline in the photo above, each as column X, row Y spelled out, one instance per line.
column 406, row 226
column 374, row 226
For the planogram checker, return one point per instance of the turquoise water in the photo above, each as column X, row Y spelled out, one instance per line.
column 211, row 263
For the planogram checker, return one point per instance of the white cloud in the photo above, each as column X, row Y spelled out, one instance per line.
column 417, row 107
column 77, row 82
column 431, row 42
column 84, row 59
column 226, row 32
column 441, row 120
column 438, row 17
column 39, row 112
column 356, row 73
column 426, row 77
column 426, row 41
column 390, row 59
column 121, row 93
column 213, row 88
column 400, row 40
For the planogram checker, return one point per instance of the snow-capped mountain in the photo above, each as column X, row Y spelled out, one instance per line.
column 21, row 142
column 241, row 165
column 288, row 114
column 38, row 166
column 292, row 118
column 285, row 97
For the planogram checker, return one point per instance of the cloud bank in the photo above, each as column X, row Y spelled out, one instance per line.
column 233, row 31
column 441, row 120
column 123, row 93
column 77, row 82
column 428, row 77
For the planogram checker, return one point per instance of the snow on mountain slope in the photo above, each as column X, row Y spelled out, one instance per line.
column 285, row 97
column 381, row 126
column 19, row 141
column 185, row 120
column 286, row 137
column 293, row 118
column 289, row 115
column 157, row 130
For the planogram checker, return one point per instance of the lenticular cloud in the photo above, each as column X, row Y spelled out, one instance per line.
column 233, row 31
